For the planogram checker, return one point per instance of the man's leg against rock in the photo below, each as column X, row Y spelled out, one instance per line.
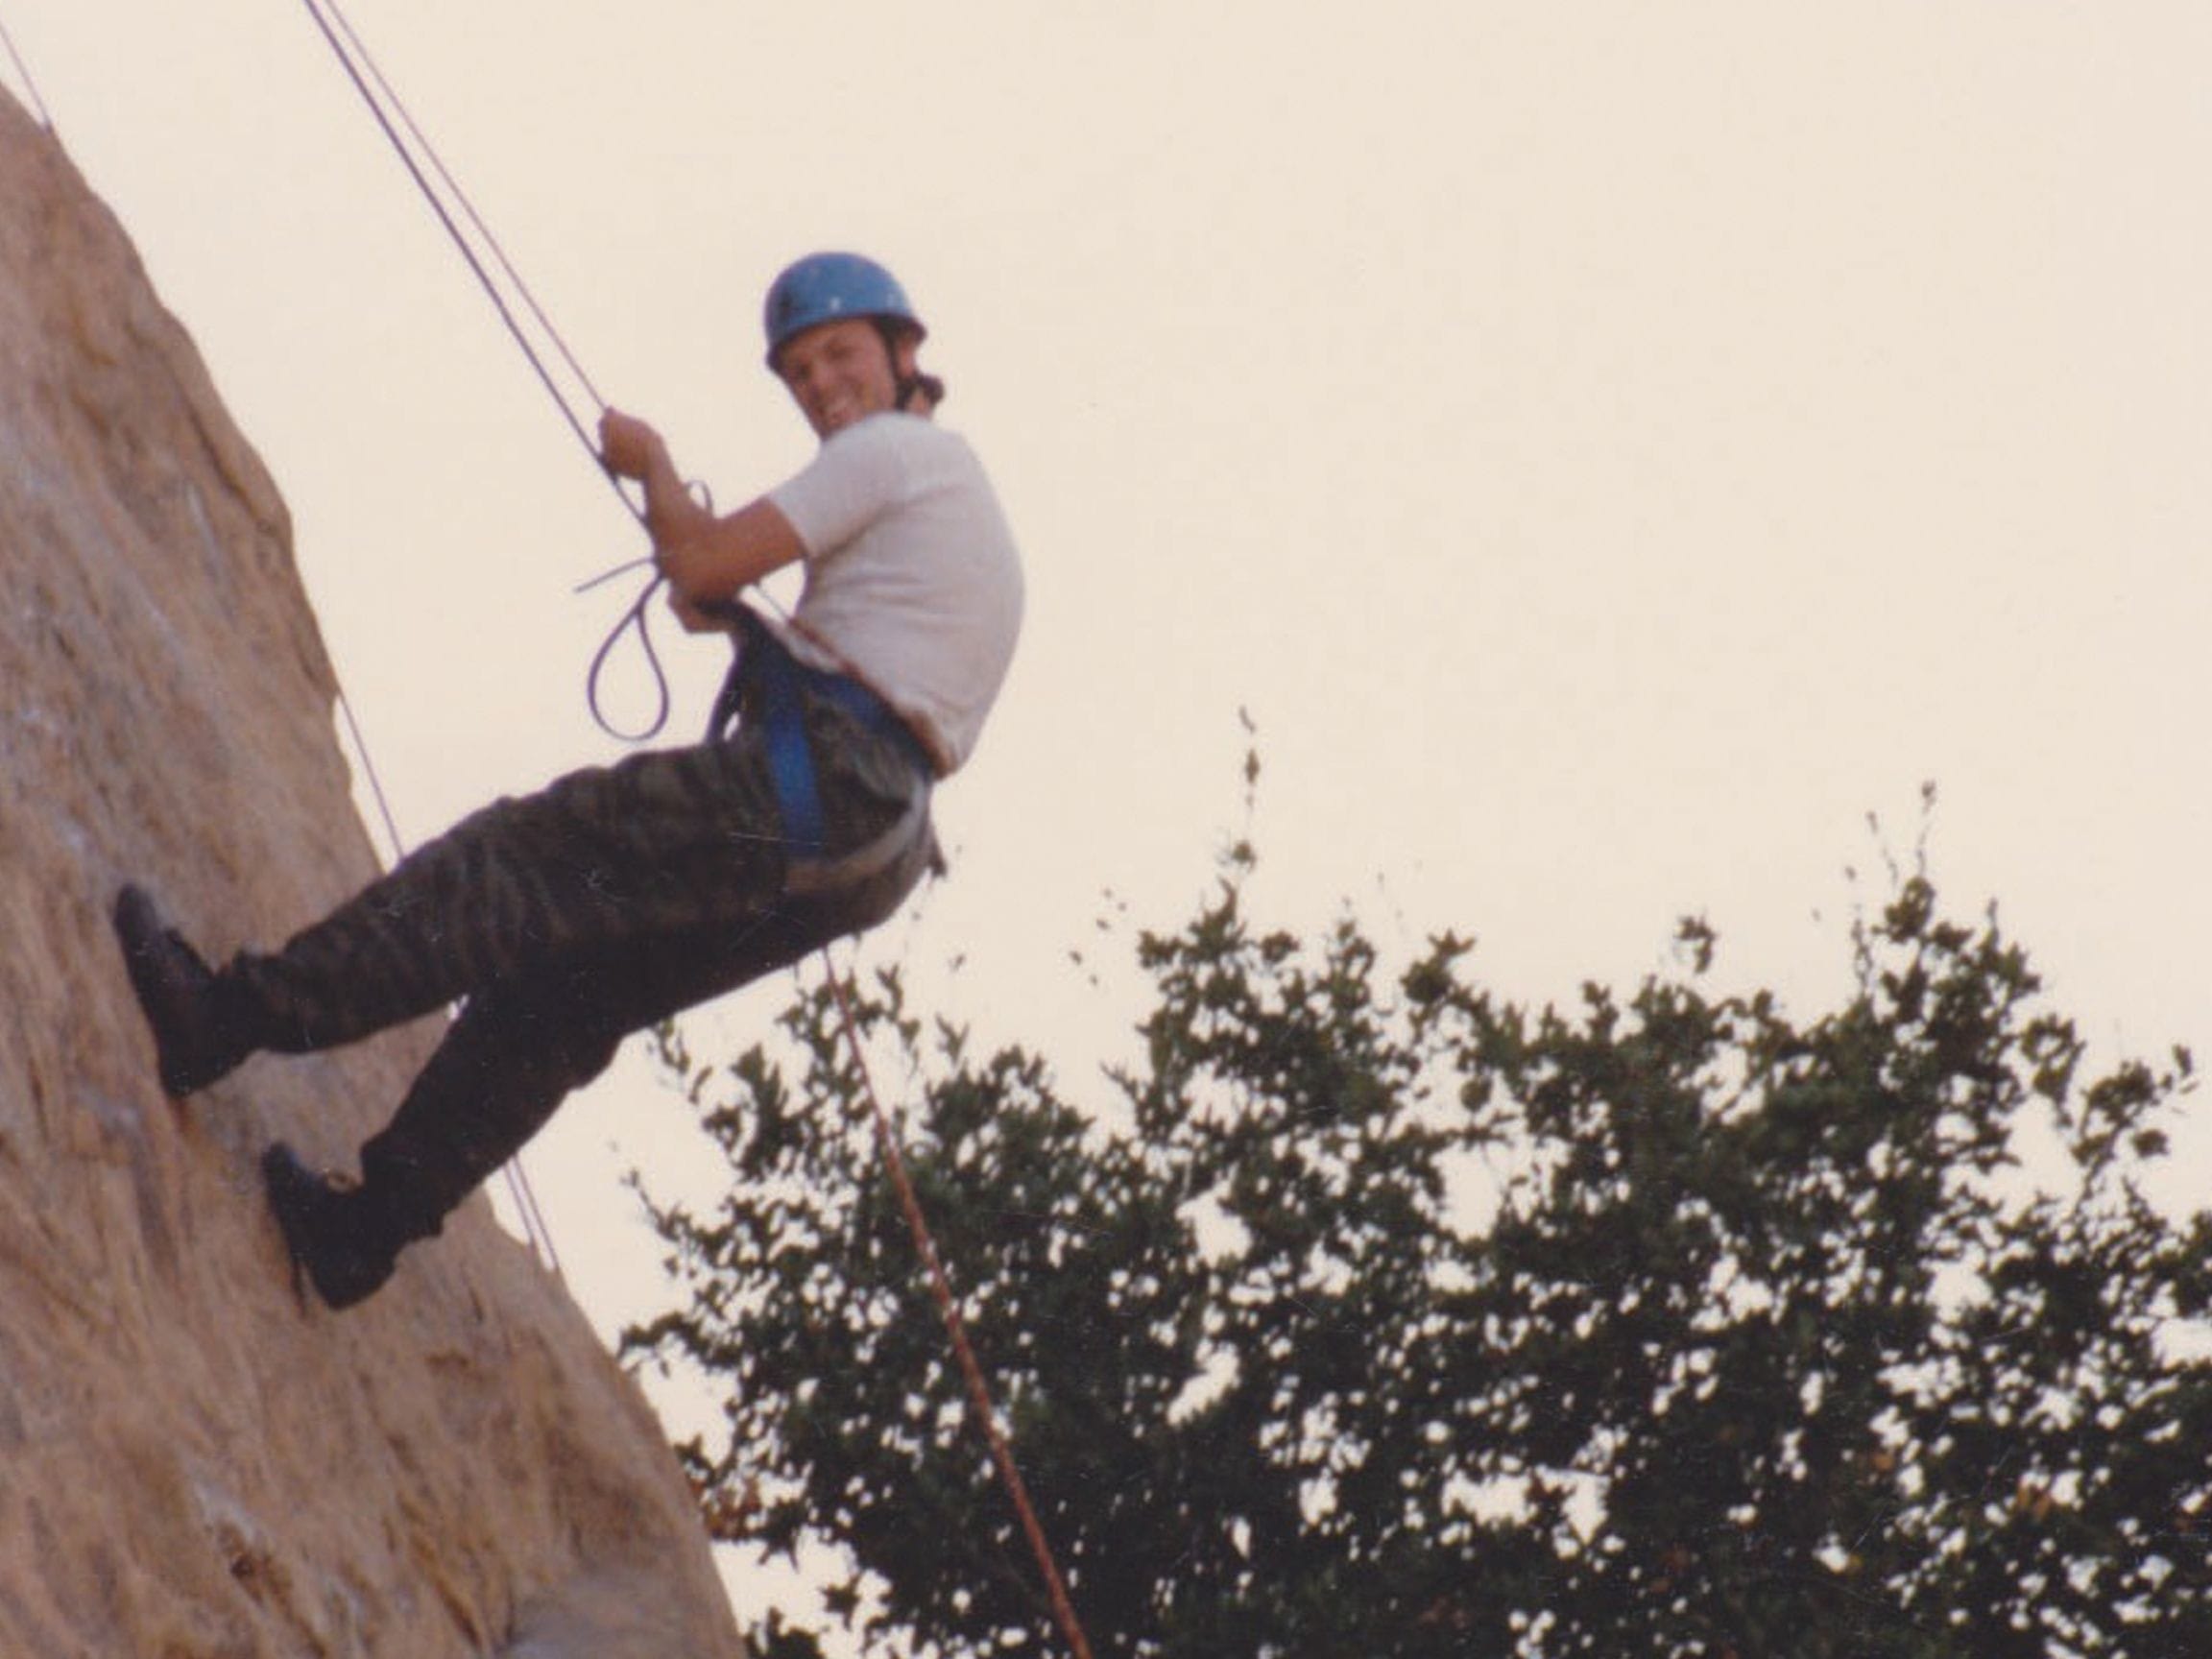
column 510, row 1057
column 515, row 1053
column 596, row 859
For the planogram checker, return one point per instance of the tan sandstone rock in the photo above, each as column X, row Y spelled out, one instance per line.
column 192, row 1462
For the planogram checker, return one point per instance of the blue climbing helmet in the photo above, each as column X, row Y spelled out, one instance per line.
column 823, row 287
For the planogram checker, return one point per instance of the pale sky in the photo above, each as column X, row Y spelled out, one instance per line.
column 1609, row 448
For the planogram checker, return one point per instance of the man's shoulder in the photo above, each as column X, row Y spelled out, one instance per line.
column 896, row 431
column 897, row 447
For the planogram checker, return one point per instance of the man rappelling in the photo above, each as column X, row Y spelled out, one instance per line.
column 618, row 896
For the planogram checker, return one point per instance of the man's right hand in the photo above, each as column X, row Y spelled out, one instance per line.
column 630, row 447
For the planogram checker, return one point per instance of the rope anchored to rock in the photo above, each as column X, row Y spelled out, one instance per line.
column 23, row 74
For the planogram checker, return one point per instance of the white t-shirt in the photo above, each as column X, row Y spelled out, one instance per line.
column 913, row 581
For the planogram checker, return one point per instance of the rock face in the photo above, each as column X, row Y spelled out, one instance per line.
column 192, row 1461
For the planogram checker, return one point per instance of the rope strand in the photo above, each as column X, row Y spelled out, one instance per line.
column 331, row 20
column 392, row 115
column 29, row 84
column 534, row 1224
column 979, row 1400
column 634, row 617
column 461, row 197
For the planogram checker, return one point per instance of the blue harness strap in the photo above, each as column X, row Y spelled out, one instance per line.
column 773, row 684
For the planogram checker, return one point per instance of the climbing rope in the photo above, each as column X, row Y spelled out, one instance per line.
column 391, row 115
column 378, row 91
column 453, row 206
column 23, row 74
column 979, row 1399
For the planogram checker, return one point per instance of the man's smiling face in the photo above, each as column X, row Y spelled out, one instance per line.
column 839, row 373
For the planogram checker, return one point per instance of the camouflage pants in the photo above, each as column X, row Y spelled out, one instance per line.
column 607, row 901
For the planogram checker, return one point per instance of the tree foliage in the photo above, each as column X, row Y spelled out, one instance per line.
column 1371, row 1313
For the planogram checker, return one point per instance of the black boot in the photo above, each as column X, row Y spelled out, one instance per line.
column 197, row 1037
column 346, row 1246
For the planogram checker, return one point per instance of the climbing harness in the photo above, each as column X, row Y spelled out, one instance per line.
column 792, row 790
column 767, row 675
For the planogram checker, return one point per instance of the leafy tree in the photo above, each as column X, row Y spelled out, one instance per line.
column 1375, row 1314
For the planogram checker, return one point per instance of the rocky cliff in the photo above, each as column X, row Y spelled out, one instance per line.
column 192, row 1461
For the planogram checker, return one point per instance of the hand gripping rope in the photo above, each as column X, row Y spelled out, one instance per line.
column 392, row 115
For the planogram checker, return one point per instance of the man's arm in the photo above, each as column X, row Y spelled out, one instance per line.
column 705, row 558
